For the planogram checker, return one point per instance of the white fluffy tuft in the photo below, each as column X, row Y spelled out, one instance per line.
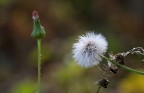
column 88, row 48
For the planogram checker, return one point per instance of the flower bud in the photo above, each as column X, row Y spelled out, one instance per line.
column 38, row 31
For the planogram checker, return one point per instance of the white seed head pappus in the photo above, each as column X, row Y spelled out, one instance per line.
column 88, row 48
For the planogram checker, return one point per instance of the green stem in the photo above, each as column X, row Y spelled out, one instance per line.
column 39, row 65
column 124, row 67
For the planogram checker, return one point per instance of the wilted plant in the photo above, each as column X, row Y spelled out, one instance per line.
column 89, row 51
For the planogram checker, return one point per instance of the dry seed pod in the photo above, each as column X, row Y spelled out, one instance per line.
column 103, row 83
column 119, row 58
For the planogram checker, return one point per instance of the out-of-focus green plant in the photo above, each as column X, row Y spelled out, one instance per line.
column 46, row 51
column 72, row 78
column 69, row 72
column 114, row 43
column 24, row 86
column 4, row 1
column 132, row 84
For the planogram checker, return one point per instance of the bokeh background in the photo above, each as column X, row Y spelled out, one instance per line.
column 120, row 21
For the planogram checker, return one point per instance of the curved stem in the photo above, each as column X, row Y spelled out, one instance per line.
column 124, row 67
column 39, row 65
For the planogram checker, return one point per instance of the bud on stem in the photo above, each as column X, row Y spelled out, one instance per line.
column 38, row 31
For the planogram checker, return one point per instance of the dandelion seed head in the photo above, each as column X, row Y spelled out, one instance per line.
column 88, row 48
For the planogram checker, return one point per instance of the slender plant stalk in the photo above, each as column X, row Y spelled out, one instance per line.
column 124, row 67
column 98, row 89
column 38, row 33
column 39, row 65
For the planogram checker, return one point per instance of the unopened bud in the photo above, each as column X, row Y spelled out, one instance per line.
column 35, row 15
column 38, row 31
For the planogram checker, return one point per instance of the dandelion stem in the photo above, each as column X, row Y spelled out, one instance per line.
column 39, row 65
column 124, row 67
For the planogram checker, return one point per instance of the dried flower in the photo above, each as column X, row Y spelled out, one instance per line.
column 119, row 58
column 103, row 83
column 88, row 48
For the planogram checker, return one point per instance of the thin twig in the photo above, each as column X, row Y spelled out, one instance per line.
column 98, row 89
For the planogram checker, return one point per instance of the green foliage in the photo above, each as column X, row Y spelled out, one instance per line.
column 24, row 86
column 114, row 44
column 69, row 73
column 4, row 1
column 72, row 78
column 133, row 83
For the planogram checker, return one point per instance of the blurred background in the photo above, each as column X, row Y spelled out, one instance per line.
column 120, row 21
